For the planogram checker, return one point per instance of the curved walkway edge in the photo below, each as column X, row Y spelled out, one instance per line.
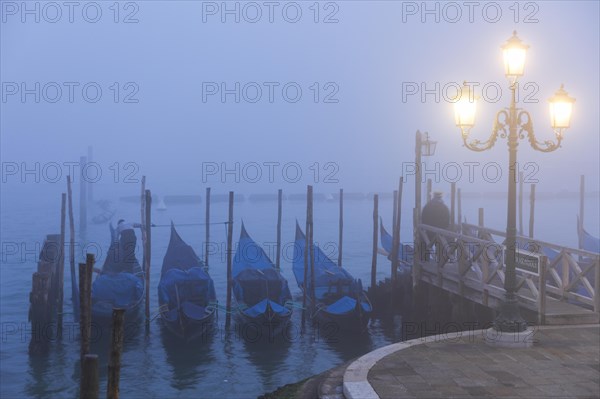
column 356, row 384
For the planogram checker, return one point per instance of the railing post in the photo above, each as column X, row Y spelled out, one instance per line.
column 565, row 275
column 542, row 291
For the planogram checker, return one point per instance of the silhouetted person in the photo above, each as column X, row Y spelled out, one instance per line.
column 435, row 213
column 121, row 256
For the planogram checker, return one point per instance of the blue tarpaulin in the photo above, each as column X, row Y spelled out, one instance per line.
column 120, row 289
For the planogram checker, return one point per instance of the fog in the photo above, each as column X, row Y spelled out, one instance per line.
column 162, row 113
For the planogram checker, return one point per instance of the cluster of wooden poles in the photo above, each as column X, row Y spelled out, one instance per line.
column 89, row 381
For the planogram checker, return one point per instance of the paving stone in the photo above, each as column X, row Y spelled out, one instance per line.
column 564, row 363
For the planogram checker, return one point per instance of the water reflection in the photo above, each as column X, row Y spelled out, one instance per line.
column 39, row 384
column 186, row 359
column 349, row 345
column 268, row 354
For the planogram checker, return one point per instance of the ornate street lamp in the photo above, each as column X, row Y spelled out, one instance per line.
column 423, row 148
column 428, row 146
column 512, row 123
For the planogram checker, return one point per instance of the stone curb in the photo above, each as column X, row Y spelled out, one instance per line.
column 356, row 385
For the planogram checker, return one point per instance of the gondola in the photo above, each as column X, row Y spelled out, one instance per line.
column 261, row 294
column 186, row 292
column 340, row 300
column 590, row 243
column 405, row 254
column 120, row 283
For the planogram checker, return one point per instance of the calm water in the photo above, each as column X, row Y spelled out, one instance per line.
column 225, row 366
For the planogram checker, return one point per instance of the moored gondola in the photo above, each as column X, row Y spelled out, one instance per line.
column 261, row 294
column 120, row 283
column 340, row 301
column 186, row 292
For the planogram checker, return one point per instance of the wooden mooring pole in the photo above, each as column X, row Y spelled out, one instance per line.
column 82, row 195
column 428, row 191
column 144, row 235
column 397, row 244
column 394, row 254
column 147, row 226
column 39, row 313
column 61, row 264
column 90, row 186
column 581, row 210
column 89, row 388
column 116, row 348
column 207, row 227
column 417, row 252
column 229, row 259
column 459, row 210
column 480, row 221
column 531, row 210
column 279, row 215
column 311, row 250
column 452, row 204
column 74, row 294
column 341, row 228
column 375, row 239
column 306, row 256
column 85, row 304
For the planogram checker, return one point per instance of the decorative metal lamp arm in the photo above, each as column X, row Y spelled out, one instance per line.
column 500, row 125
column 527, row 126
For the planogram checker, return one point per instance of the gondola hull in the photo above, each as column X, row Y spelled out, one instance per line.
column 332, row 323
column 189, row 329
column 102, row 308
column 354, row 320
column 267, row 324
column 337, row 302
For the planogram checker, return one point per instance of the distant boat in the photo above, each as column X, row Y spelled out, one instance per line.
column 339, row 297
column 186, row 292
column 161, row 205
column 261, row 293
column 405, row 254
column 121, row 282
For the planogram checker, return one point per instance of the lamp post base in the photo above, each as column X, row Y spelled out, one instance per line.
column 499, row 339
column 509, row 318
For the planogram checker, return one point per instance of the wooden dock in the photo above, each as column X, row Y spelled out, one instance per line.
column 467, row 262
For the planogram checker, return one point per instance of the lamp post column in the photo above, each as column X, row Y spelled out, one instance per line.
column 509, row 318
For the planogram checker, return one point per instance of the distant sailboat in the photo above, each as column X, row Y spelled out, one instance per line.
column 161, row 205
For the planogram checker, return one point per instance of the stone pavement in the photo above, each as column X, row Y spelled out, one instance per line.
column 564, row 362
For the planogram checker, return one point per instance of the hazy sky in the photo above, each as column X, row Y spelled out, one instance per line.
column 162, row 78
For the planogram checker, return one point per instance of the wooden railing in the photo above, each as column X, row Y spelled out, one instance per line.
column 473, row 259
